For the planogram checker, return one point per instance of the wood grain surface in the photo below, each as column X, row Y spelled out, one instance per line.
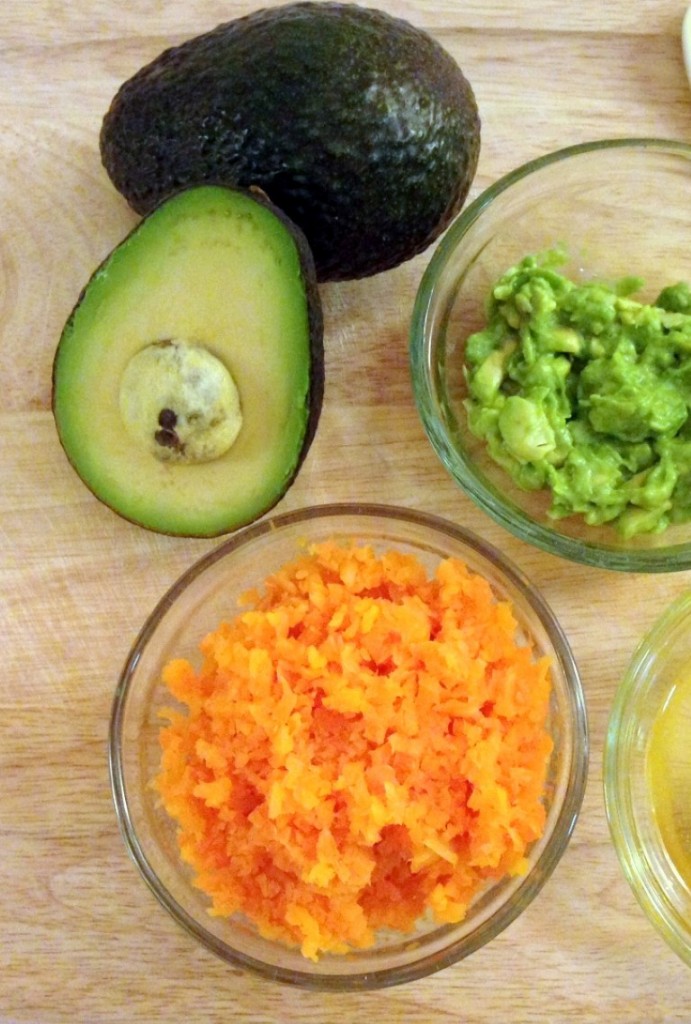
column 82, row 938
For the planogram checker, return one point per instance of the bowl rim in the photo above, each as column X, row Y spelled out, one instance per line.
column 552, row 850
column 668, row 558
column 648, row 889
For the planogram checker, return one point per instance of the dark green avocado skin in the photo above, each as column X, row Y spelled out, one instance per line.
column 359, row 126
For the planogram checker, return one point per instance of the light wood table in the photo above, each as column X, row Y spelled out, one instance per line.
column 82, row 938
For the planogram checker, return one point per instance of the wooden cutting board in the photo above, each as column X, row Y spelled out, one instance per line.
column 83, row 940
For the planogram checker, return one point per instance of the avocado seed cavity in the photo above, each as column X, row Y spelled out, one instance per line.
column 180, row 402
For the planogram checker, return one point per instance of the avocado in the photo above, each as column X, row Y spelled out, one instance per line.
column 188, row 380
column 361, row 127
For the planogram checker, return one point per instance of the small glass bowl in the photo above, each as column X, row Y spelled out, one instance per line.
column 660, row 660
column 206, row 594
column 619, row 208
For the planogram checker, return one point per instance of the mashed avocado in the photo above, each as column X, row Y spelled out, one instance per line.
column 583, row 390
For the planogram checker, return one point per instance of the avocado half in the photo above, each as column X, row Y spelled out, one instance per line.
column 360, row 126
column 188, row 380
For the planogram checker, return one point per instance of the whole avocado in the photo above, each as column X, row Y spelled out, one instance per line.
column 358, row 125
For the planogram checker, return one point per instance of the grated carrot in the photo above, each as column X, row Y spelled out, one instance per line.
column 362, row 745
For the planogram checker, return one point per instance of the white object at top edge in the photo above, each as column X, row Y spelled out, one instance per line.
column 686, row 41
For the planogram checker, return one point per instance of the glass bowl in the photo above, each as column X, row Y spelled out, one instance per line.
column 196, row 604
column 655, row 861
column 619, row 208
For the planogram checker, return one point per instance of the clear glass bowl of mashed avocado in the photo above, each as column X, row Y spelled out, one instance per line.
column 551, row 353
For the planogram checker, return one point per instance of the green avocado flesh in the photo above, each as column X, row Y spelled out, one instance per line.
column 188, row 380
column 584, row 391
column 360, row 126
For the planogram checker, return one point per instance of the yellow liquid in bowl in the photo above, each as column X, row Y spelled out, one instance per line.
column 669, row 776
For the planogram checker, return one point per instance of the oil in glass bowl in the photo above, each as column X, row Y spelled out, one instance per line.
column 647, row 774
column 668, row 764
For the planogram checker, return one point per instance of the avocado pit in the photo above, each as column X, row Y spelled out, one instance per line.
column 180, row 402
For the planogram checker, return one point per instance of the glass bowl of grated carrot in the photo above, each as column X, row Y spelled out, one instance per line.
column 348, row 747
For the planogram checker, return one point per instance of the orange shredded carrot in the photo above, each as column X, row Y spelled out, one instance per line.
column 363, row 745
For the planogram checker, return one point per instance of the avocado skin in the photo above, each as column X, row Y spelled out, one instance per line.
column 361, row 127
column 315, row 397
